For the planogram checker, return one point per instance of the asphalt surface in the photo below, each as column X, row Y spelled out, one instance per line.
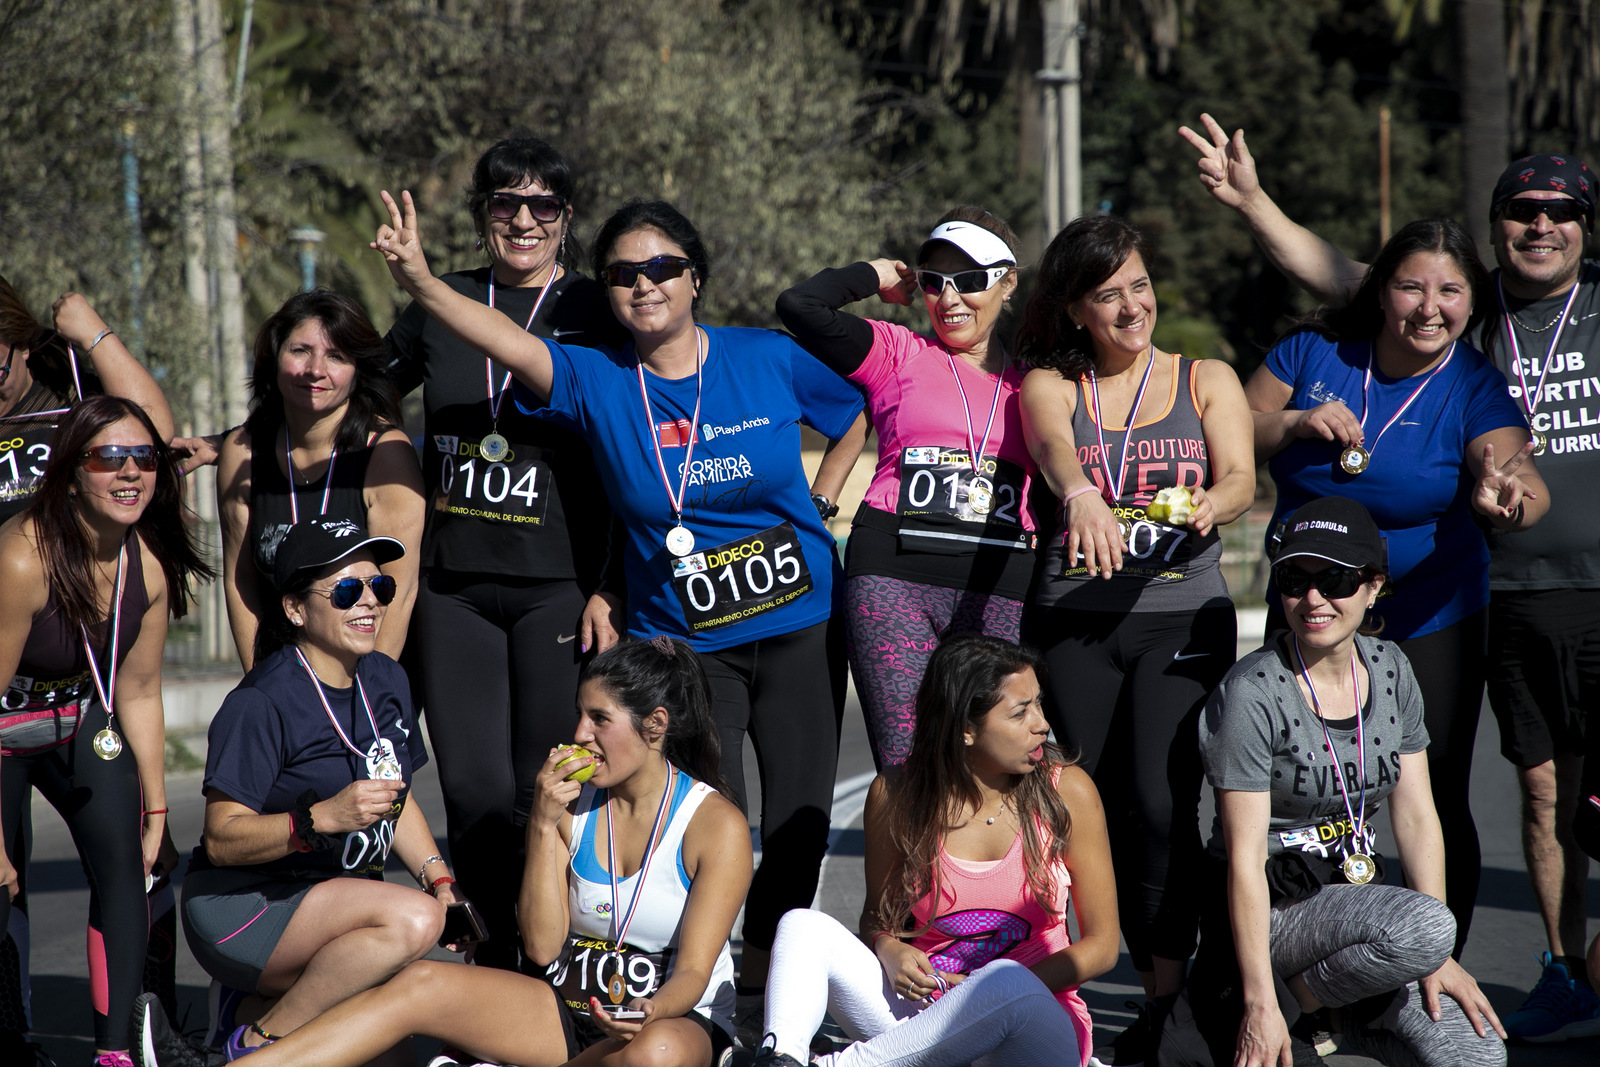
column 1506, row 934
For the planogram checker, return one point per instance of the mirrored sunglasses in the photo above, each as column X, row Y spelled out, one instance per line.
column 346, row 592
column 108, row 459
column 543, row 207
column 1335, row 583
column 658, row 270
column 933, row 282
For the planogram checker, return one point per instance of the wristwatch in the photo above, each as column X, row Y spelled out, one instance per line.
column 825, row 508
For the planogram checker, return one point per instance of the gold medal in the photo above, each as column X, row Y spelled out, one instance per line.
column 1359, row 869
column 107, row 745
column 1124, row 529
column 494, row 448
column 1354, row 459
column 980, row 496
column 1539, row 443
column 616, row 989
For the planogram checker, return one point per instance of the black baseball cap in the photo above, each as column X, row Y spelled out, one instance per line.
column 318, row 543
column 1334, row 528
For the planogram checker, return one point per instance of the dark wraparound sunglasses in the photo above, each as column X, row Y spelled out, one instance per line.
column 108, row 459
column 933, row 282
column 1525, row 209
column 11, row 357
column 346, row 592
column 658, row 270
column 543, row 207
column 1335, row 583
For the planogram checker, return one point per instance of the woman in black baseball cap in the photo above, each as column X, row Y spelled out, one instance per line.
column 307, row 772
column 1303, row 741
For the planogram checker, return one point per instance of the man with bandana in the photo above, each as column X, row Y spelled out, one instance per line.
column 1544, row 610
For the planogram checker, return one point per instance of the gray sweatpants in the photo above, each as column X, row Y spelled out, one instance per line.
column 1352, row 942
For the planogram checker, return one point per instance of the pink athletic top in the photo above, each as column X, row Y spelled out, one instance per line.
column 987, row 913
column 915, row 405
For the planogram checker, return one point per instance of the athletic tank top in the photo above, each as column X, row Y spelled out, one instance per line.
column 986, row 912
column 1164, row 568
column 270, row 513
column 54, row 669
column 662, row 897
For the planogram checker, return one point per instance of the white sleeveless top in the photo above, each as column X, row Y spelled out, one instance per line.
column 659, row 917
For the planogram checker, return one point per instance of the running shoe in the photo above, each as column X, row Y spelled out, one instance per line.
column 1137, row 1043
column 449, row 1057
column 222, row 1001
column 749, row 1019
column 158, row 1045
column 765, row 1056
column 236, row 1047
column 113, row 1059
column 1558, row 1008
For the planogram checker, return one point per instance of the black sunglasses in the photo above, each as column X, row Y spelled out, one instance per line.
column 1335, row 583
column 11, row 357
column 346, row 592
column 108, row 459
column 933, row 282
column 657, row 270
column 1525, row 209
column 543, row 207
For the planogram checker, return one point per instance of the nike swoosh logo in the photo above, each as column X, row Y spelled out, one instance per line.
column 563, row 333
column 1191, row 655
column 565, row 640
column 1405, row 423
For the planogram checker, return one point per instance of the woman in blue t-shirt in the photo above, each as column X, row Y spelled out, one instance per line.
column 696, row 436
column 307, row 771
column 1380, row 402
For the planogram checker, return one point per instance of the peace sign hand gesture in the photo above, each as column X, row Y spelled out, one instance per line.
column 400, row 241
column 1227, row 169
column 1499, row 494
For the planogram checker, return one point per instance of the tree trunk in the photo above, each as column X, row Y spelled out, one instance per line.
column 216, row 132
column 1485, row 118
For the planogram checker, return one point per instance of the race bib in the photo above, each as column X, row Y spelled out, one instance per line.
column 367, row 850
column 743, row 578
column 516, row 489
column 612, row 973
column 940, row 484
column 1151, row 551
column 1332, row 840
column 23, row 456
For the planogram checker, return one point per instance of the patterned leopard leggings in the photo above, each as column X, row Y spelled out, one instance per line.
column 893, row 628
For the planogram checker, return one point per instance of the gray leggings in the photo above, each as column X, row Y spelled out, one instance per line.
column 1352, row 942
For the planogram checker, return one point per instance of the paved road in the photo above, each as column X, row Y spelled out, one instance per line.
column 1506, row 934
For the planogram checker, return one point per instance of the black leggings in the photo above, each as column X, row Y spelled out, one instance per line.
column 499, row 664
column 100, row 801
column 1449, row 665
column 1124, row 692
column 787, row 693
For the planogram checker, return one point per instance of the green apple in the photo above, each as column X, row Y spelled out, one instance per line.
column 1171, row 506
column 584, row 773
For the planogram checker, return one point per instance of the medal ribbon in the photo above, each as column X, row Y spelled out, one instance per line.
column 1114, row 488
column 498, row 396
column 317, row 684
column 976, row 453
column 1361, row 743
column 108, row 689
column 1366, row 383
column 655, row 436
column 621, row 933
column 327, row 480
column 72, row 361
column 1532, row 402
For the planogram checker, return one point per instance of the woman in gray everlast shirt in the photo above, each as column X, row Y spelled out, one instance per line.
column 1303, row 741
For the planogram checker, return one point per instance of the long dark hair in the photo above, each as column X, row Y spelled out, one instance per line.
column 48, row 358
column 374, row 404
column 273, row 628
column 961, row 685
column 515, row 161
column 639, row 214
column 63, row 537
column 1362, row 318
column 1084, row 254
column 664, row 672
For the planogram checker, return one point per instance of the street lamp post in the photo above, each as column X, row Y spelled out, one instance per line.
column 309, row 238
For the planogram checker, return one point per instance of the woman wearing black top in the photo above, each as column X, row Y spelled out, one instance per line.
column 515, row 552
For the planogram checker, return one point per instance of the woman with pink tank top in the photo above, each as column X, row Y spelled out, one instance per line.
column 964, row 954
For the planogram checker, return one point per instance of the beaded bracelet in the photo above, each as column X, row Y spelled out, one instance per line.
column 445, row 879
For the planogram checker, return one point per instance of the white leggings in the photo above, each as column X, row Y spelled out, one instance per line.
column 1000, row 1014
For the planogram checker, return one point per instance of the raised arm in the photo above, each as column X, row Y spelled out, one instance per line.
column 1228, row 172
column 542, row 905
column 478, row 325
column 119, row 372
column 811, row 310
column 240, row 582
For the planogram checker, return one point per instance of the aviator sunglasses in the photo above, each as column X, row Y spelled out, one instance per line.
column 1526, row 209
column 543, row 207
column 933, row 282
column 658, row 270
column 108, row 459
column 1335, row 583
column 347, row 591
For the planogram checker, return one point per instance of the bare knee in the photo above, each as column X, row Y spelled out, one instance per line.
column 415, row 928
column 657, row 1046
column 1538, row 793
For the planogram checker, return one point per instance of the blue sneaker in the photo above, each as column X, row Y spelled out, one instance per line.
column 236, row 1047
column 1559, row 1007
column 222, row 1002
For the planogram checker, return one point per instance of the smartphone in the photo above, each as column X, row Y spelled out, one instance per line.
column 621, row 1012
column 462, row 925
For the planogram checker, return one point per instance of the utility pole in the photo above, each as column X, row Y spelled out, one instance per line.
column 308, row 237
column 1063, row 146
column 222, row 236
column 129, row 137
